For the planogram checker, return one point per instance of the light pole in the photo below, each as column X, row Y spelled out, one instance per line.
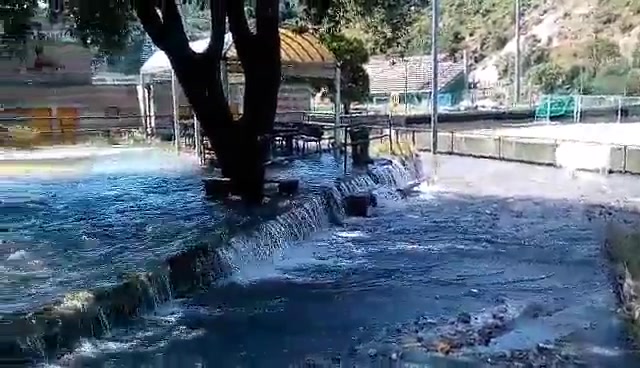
column 435, row 20
column 516, row 89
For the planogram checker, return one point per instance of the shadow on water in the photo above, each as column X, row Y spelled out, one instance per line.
column 391, row 285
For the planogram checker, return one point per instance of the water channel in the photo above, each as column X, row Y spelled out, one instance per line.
column 488, row 235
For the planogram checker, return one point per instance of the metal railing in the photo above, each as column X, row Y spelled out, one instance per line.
column 30, row 131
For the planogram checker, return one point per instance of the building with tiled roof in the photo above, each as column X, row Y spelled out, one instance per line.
column 412, row 76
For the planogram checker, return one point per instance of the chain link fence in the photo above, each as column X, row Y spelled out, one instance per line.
column 588, row 108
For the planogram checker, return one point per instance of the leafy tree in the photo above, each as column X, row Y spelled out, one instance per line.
column 390, row 23
column 15, row 16
column 352, row 54
column 601, row 51
column 535, row 53
column 547, row 77
column 635, row 57
column 633, row 82
column 505, row 65
column 578, row 79
column 130, row 60
column 611, row 80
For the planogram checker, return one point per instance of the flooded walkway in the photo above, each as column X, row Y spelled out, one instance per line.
column 488, row 235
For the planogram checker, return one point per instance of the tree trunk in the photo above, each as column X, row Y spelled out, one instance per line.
column 241, row 147
column 259, row 55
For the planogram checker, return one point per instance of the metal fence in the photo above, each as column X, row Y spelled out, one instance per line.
column 585, row 108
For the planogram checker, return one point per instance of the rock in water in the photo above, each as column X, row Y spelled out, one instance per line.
column 288, row 187
column 357, row 205
column 217, row 188
column 464, row 318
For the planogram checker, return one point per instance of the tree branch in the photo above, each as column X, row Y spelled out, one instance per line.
column 239, row 27
column 267, row 18
column 218, row 28
column 171, row 16
column 151, row 22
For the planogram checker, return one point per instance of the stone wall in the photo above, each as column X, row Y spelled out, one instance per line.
column 560, row 153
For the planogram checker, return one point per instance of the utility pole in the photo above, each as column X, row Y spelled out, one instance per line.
column 435, row 20
column 516, row 90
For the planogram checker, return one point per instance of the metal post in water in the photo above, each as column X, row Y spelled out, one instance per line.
column 174, row 99
column 434, row 75
column 390, row 126
column 345, row 163
column 338, row 108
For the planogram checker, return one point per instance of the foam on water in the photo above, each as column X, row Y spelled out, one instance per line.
column 145, row 161
column 583, row 156
column 280, row 264
column 268, row 253
column 71, row 152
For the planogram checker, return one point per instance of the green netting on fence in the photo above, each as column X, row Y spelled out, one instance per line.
column 577, row 107
column 555, row 106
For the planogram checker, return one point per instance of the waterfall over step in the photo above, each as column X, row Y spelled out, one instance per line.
column 314, row 213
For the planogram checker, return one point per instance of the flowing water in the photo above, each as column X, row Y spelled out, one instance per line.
column 312, row 286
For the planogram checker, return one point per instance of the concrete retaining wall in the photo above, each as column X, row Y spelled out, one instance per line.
column 569, row 154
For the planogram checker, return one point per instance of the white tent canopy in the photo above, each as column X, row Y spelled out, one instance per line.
column 158, row 67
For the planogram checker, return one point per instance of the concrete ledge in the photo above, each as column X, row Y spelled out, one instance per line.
column 528, row 150
column 477, row 145
column 632, row 160
column 617, row 159
column 445, row 141
column 575, row 155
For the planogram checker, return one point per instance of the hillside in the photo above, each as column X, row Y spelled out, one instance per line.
column 585, row 45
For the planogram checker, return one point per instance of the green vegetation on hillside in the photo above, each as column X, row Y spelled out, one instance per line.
column 593, row 51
